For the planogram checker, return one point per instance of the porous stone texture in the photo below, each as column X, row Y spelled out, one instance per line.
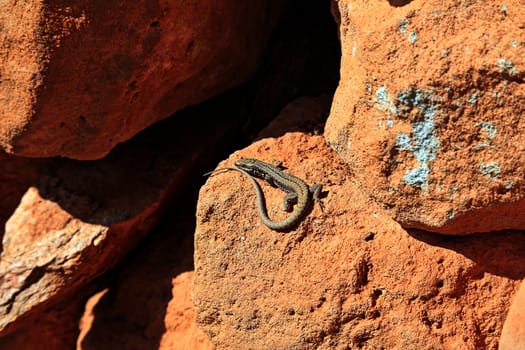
column 77, row 79
column 513, row 332
column 429, row 110
column 348, row 276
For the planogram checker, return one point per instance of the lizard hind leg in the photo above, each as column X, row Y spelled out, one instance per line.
column 316, row 191
column 289, row 201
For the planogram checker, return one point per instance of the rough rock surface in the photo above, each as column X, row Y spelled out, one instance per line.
column 78, row 79
column 513, row 332
column 346, row 277
column 429, row 110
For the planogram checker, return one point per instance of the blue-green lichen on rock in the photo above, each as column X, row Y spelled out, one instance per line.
column 412, row 38
column 473, row 98
column 402, row 26
column 383, row 101
column 491, row 170
column 489, row 128
column 423, row 142
column 507, row 67
column 491, row 131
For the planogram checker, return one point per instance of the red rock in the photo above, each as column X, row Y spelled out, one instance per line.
column 513, row 332
column 346, row 277
column 79, row 79
column 181, row 330
column 428, row 111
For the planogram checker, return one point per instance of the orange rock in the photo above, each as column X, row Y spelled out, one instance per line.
column 79, row 79
column 513, row 332
column 42, row 249
column 181, row 330
column 428, row 110
column 346, row 277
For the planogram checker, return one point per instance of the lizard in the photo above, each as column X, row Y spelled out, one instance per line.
column 299, row 195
